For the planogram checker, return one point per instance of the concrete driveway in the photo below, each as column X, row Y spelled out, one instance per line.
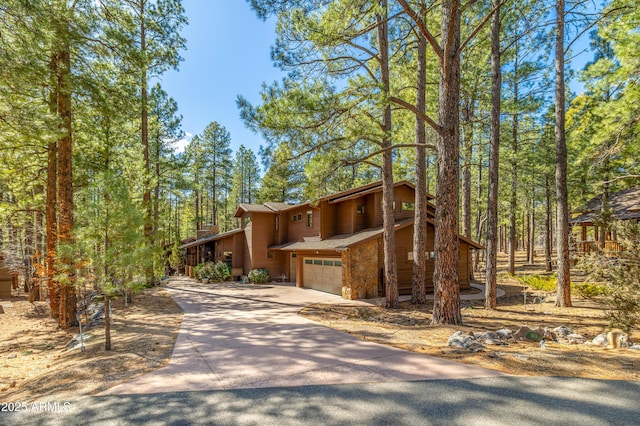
column 236, row 336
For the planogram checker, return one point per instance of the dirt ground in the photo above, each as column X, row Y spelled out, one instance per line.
column 36, row 365
column 409, row 328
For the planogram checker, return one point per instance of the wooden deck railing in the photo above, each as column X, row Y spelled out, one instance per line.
column 585, row 247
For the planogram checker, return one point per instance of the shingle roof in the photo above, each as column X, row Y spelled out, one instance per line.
column 625, row 205
column 211, row 238
column 338, row 242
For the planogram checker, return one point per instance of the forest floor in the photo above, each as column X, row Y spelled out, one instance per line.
column 409, row 328
column 36, row 363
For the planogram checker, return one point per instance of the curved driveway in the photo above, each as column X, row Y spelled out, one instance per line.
column 236, row 336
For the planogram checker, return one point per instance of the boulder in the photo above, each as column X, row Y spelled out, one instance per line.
column 574, row 339
column 635, row 347
column 469, row 341
column 561, row 333
column 504, row 333
column 600, row 340
column 531, row 334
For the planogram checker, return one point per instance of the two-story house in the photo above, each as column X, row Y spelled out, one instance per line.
column 333, row 244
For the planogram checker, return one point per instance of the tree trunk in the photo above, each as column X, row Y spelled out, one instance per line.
column 494, row 161
column 547, row 227
column 68, row 303
column 446, row 308
column 389, row 239
column 513, row 200
column 52, row 198
column 563, row 294
column 420, row 224
column 107, row 323
column 144, row 132
column 467, row 154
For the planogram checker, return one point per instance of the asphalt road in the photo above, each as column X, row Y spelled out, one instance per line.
column 486, row 401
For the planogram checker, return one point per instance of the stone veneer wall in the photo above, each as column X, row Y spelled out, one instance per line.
column 360, row 271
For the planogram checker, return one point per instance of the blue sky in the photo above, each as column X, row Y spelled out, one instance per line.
column 228, row 54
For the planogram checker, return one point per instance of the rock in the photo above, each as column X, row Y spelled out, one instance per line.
column 618, row 339
column 635, row 347
column 469, row 342
column 561, row 332
column 600, row 340
column 526, row 333
column 495, row 342
column 520, row 356
column 12, row 356
column 1, row 310
column 504, row 333
column 574, row 339
column 489, row 335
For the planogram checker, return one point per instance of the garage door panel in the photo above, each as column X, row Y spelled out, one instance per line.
column 324, row 274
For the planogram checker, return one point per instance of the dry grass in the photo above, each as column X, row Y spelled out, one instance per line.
column 36, row 364
column 409, row 328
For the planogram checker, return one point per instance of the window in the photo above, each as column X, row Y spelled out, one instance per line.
column 308, row 262
column 277, row 222
column 228, row 258
column 360, row 209
column 271, row 254
column 309, row 218
column 338, row 263
column 296, row 217
column 407, row 206
column 432, row 255
column 317, row 262
column 328, row 263
column 410, row 256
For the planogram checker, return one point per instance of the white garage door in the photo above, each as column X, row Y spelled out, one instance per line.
column 324, row 274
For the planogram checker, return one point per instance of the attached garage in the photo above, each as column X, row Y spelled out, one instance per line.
column 323, row 273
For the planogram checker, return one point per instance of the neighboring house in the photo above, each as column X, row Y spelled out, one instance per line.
column 592, row 236
column 333, row 244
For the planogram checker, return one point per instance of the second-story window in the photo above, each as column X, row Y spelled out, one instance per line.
column 310, row 218
column 296, row 217
column 360, row 209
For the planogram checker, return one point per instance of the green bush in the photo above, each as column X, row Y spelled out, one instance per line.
column 198, row 271
column 590, row 290
column 220, row 272
column 540, row 282
column 259, row 276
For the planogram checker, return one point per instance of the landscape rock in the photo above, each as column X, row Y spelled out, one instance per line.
column 600, row 340
column 531, row 334
column 635, row 347
column 469, row 341
column 504, row 333
column 561, row 333
column 574, row 339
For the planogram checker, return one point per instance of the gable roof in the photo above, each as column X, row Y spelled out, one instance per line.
column 211, row 238
column 624, row 204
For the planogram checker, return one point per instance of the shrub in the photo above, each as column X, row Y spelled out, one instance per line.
column 591, row 290
column 259, row 276
column 220, row 272
column 540, row 282
column 198, row 271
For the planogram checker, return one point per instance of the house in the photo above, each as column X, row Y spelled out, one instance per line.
column 333, row 244
column 592, row 236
